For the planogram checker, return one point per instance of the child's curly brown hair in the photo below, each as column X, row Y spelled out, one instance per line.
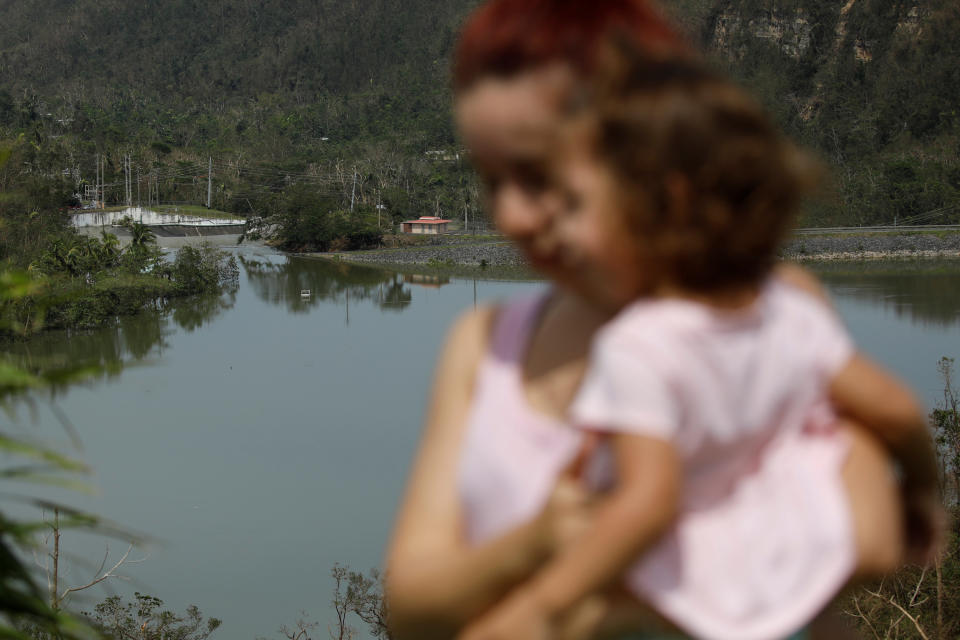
column 709, row 183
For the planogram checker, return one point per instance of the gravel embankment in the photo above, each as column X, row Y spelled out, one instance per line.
column 865, row 246
column 493, row 254
column 870, row 246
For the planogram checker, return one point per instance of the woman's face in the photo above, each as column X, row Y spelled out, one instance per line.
column 511, row 127
column 554, row 202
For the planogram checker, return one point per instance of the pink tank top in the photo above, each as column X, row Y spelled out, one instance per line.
column 800, row 557
column 511, row 454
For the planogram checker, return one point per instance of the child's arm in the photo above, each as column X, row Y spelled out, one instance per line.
column 863, row 391
column 630, row 520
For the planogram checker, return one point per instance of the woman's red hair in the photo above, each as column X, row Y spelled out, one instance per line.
column 507, row 37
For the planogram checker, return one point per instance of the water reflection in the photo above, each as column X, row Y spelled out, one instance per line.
column 102, row 353
column 284, row 283
column 925, row 292
column 426, row 281
column 199, row 312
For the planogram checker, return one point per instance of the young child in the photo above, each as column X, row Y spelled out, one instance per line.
column 677, row 193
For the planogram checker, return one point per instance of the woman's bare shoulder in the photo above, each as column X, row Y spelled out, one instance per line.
column 468, row 338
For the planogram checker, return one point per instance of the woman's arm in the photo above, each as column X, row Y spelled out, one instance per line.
column 866, row 393
column 863, row 391
column 883, row 409
column 629, row 521
column 435, row 582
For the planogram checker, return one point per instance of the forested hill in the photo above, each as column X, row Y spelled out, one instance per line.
column 216, row 50
column 337, row 67
column 873, row 85
column 337, row 92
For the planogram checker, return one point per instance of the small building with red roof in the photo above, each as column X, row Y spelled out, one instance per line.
column 425, row 225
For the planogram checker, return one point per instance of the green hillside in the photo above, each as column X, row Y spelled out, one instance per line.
column 872, row 85
column 346, row 98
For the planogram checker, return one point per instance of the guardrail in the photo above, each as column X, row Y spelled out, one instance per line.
column 879, row 229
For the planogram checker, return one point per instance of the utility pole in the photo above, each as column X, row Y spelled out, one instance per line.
column 139, row 203
column 466, row 224
column 96, row 186
column 209, row 180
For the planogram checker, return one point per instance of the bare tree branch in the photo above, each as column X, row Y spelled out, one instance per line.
column 893, row 602
column 105, row 575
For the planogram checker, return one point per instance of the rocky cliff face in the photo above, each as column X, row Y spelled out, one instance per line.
column 789, row 31
column 793, row 27
column 872, row 85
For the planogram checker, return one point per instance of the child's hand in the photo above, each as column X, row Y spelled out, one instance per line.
column 566, row 515
column 925, row 520
column 518, row 617
column 569, row 509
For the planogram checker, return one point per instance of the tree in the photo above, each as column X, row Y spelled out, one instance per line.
column 365, row 600
column 354, row 594
column 341, row 605
column 144, row 618
column 299, row 632
column 51, row 565
column 362, row 596
column 945, row 420
column 22, row 602
column 140, row 235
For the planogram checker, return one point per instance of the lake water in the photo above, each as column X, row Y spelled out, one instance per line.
column 263, row 437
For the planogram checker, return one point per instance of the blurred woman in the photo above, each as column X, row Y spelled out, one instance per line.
column 497, row 486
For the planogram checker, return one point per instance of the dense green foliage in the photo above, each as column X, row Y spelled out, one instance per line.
column 872, row 85
column 84, row 282
column 345, row 97
column 22, row 602
column 348, row 98
column 306, row 220
column 32, row 199
column 80, row 281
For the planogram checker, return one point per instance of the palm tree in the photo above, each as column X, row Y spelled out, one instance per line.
column 141, row 234
column 110, row 248
column 75, row 260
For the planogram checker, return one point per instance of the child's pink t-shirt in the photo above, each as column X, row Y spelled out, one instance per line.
column 764, row 540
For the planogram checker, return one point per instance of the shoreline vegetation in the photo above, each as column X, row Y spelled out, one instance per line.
column 82, row 282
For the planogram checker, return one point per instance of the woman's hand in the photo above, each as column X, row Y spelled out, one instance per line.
column 518, row 617
column 925, row 520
